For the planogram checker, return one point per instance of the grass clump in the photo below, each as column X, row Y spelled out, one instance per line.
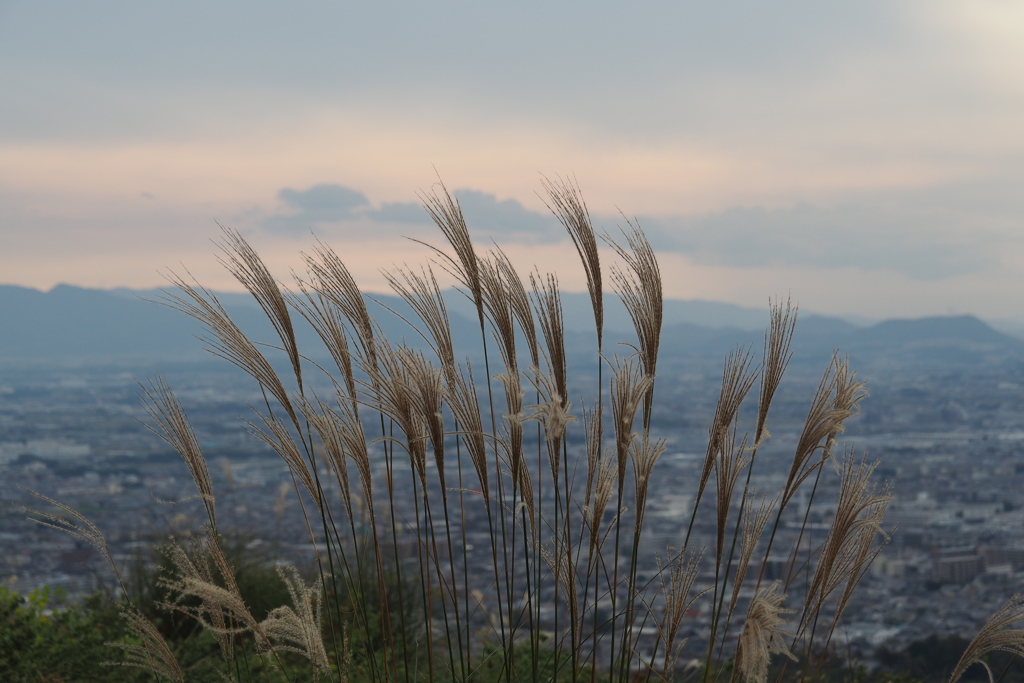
column 561, row 594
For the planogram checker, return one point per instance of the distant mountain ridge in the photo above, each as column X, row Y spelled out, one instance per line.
column 78, row 325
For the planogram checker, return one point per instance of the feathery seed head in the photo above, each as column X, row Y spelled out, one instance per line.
column 333, row 281
column 174, row 428
column 994, row 636
column 152, row 654
column 628, row 388
column 566, row 203
column 762, row 635
column 777, row 355
column 242, row 261
column 297, row 628
column 641, row 292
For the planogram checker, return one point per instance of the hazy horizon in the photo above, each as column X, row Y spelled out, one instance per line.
column 866, row 160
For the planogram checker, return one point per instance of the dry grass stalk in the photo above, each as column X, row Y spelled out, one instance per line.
column 498, row 305
column 640, row 290
column 498, row 302
column 547, row 303
column 553, row 413
column 428, row 399
column 153, row 654
column 297, row 628
column 327, row 320
column 423, row 295
column 519, row 301
column 396, row 398
column 571, row 210
column 835, row 400
column 677, row 602
column 736, row 383
column 444, row 210
column 628, row 388
column 278, row 437
column 603, row 487
column 242, row 261
column 330, row 426
column 776, row 359
column 753, row 526
column 847, row 548
column 728, row 465
column 995, row 636
column 461, row 396
column 82, row 528
column 644, row 455
column 592, row 431
column 335, row 283
column 221, row 610
column 762, row 635
column 560, row 561
column 163, row 407
column 228, row 342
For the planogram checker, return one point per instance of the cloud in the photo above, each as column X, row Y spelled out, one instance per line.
column 921, row 244
column 506, row 219
column 486, row 215
column 326, row 203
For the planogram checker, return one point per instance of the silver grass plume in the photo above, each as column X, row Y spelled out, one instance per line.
column 498, row 303
column 641, row 292
column 628, row 388
column 847, row 547
column 592, row 430
column 547, row 303
column 553, row 413
column 736, row 383
column 327, row 320
column 460, row 393
column 297, row 628
column 332, row 279
column 995, row 636
column 81, row 528
column 728, row 465
column 444, row 210
column 174, row 428
column 152, row 654
column 242, row 261
column 519, row 300
column 395, row 397
column 567, row 204
column 777, row 355
column 221, row 609
column 427, row 384
column 677, row 602
column 837, row 398
column 228, row 340
column 422, row 294
column 330, row 427
column 754, row 523
column 644, row 455
column 278, row 437
column 762, row 635
column 603, row 487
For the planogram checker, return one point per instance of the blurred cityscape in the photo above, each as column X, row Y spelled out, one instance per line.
column 948, row 437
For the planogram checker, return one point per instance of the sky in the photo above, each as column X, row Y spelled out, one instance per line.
column 866, row 158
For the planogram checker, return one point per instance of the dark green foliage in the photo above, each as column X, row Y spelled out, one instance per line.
column 931, row 660
column 43, row 640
